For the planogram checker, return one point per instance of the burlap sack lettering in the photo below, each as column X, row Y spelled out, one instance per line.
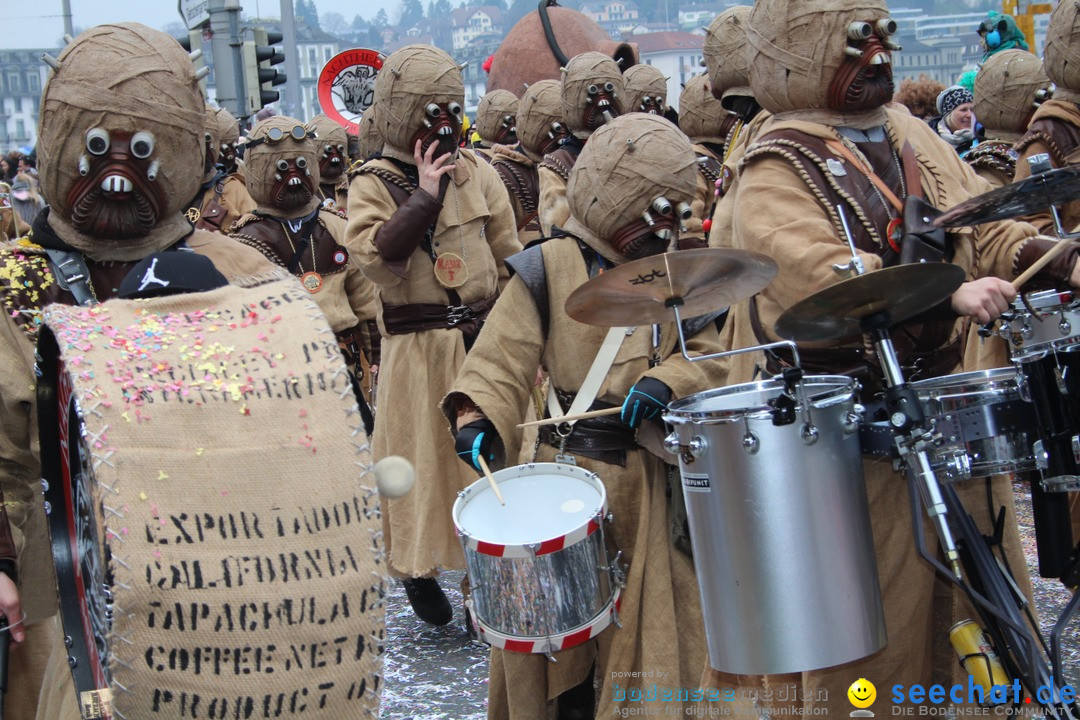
column 232, row 475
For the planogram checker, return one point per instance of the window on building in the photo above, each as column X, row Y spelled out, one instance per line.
column 328, row 52
column 33, row 82
column 20, row 129
column 13, row 81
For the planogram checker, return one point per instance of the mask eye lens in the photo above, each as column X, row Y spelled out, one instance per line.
column 609, row 87
column 662, row 206
column 341, row 148
column 433, row 110
column 274, row 134
column 593, row 90
column 454, row 109
column 142, row 144
column 97, row 141
column 282, row 165
column 859, row 30
column 301, row 162
column 208, row 138
column 885, row 27
column 329, row 149
column 298, row 132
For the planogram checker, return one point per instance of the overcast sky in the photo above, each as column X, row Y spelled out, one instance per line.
column 38, row 24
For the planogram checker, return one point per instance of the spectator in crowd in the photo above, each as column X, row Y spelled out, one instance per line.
column 25, row 197
column 955, row 123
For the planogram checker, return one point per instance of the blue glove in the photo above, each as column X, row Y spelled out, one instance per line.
column 475, row 439
column 646, row 400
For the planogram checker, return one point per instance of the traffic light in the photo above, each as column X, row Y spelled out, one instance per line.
column 260, row 77
column 193, row 43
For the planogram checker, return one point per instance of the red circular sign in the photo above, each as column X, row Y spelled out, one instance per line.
column 347, row 85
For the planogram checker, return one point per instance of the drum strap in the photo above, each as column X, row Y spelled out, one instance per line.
column 72, row 274
column 594, row 378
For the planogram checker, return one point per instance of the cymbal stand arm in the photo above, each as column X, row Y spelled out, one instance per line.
column 713, row 356
column 856, row 264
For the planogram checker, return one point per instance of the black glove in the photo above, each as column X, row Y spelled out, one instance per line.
column 475, row 439
column 646, row 400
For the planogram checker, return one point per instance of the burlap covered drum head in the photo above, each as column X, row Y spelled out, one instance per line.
column 411, row 78
column 643, row 81
column 539, row 107
column 701, row 116
column 1005, row 90
column 796, row 46
column 327, row 131
column 582, row 71
column 725, row 52
column 1061, row 54
column 123, row 78
column 232, row 481
column 492, row 111
column 260, row 163
column 626, row 164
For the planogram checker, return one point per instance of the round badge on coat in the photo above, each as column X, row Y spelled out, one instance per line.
column 341, row 256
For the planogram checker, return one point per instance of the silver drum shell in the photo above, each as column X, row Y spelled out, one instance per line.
column 780, row 528
column 1055, row 329
column 981, row 415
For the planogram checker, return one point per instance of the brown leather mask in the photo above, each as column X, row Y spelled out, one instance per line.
column 442, row 125
column 864, row 80
column 293, row 185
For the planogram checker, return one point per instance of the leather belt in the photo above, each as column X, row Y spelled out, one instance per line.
column 415, row 317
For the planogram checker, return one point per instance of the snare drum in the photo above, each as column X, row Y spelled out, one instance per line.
column 1046, row 347
column 779, row 525
column 986, row 428
column 540, row 574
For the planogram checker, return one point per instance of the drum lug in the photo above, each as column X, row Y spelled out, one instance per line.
column 1076, row 447
column 671, row 443
column 1042, row 458
column 750, row 443
column 809, row 434
column 1065, row 327
column 851, row 420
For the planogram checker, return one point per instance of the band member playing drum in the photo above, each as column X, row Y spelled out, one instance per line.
column 635, row 167
column 430, row 225
column 833, row 154
column 121, row 146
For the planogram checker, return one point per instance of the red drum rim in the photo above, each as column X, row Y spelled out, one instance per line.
column 555, row 641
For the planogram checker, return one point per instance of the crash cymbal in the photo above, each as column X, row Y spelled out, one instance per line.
column 641, row 292
column 1031, row 195
column 837, row 311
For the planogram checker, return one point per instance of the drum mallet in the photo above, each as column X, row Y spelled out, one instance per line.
column 1039, row 264
column 5, row 645
column 491, row 481
column 573, row 418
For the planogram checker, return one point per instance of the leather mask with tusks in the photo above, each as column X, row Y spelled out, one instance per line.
column 228, row 130
column 1061, row 55
column 646, row 90
column 823, row 55
column 541, row 127
column 632, row 186
column 121, row 140
column 282, row 176
column 496, row 117
column 332, row 142
column 420, row 95
column 593, row 92
column 1008, row 88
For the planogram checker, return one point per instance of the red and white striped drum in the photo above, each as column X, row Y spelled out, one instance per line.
column 541, row 576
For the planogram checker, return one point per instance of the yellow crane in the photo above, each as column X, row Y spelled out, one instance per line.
column 1024, row 13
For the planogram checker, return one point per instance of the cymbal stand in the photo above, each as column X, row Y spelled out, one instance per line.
column 999, row 612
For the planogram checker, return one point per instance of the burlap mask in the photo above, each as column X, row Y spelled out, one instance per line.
column 626, row 165
column 213, row 138
column 725, row 52
column 126, row 83
column 797, row 48
column 584, row 112
column 540, row 123
column 370, row 140
column 496, row 117
column 701, row 116
column 1005, row 92
column 332, row 144
column 1061, row 54
column 272, row 170
column 646, row 90
column 411, row 79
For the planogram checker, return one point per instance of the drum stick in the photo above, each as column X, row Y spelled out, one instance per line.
column 571, row 418
column 1042, row 262
column 491, row 480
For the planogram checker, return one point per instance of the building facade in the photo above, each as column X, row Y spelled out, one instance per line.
column 676, row 54
column 470, row 23
column 21, row 80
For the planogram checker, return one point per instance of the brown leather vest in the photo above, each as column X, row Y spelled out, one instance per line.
column 1063, row 138
column 271, row 238
column 522, row 183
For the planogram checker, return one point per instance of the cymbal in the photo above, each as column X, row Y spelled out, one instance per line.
column 902, row 291
column 641, row 292
column 1030, row 195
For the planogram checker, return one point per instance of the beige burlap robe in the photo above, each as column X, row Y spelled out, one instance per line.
column 232, row 486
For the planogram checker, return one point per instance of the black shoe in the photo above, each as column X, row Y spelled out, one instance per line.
column 428, row 600
column 579, row 702
column 470, row 625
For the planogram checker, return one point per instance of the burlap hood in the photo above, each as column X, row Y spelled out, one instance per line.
column 492, row 111
column 228, row 127
column 370, row 139
column 795, row 48
column 123, row 78
column 260, row 165
column 582, row 71
column 701, row 116
column 626, row 164
column 540, row 106
column 725, row 52
column 213, row 139
column 327, row 132
column 643, row 81
column 411, row 78
column 1005, row 92
column 1061, row 54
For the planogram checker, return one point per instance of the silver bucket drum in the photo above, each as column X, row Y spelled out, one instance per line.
column 779, row 525
column 986, row 427
column 540, row 574
column 1054, row 325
